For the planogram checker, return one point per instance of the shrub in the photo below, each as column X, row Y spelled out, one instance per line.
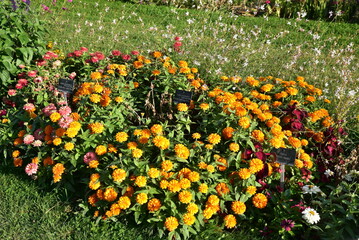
column 21, row 39
column 127, row 142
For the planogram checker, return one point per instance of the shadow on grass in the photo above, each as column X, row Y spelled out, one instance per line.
column 29, row 212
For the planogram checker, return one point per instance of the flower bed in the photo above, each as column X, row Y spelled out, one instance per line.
column 133, row 145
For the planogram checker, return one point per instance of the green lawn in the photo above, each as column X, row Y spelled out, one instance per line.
column 218, row 43
column 30, row 213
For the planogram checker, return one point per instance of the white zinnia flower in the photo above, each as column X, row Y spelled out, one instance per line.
column 310, row 189
column 310, row 216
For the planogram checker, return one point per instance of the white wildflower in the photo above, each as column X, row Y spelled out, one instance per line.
column 310, row 189
column 310, row 216
column 328, row 173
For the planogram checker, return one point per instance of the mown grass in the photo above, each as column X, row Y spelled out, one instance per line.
column 30, row 213
column 27, row 212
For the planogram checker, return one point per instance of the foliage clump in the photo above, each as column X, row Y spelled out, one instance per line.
column 21, row 39
column 126, row 141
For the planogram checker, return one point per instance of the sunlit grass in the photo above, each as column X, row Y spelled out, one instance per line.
column 219, row 43
column 28, row 212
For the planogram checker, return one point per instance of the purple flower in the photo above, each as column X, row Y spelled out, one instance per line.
column 287, row 224
column 45, row 8
column 14, row 6
column 39, row 134
column 2, row 112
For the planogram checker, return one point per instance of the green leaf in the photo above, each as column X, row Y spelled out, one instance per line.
column 137, row 216
column 185, row 232
column 27, row 53
column 5, row 77
column 350, row 231
column 9, row 66
column 73, row 161
column 244, row 198
column 192, row 230
column 249, row 142
column 171, row 235
column 24, row 38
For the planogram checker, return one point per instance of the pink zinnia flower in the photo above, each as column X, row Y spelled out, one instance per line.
column 11, row 92
column 37, row 143
column 83, row 49
column 65, row 110
column 78, row 53
column 94, row 59
column 177, row 44
column 19, row 86
column 287, row 224
column 31, row 168
column 47, row 56
column 28, row 139
column 126, row 57
column 22, row 66
column 178, row 38
column 89, row 157
column 72, row 75
column 32, row 74
column 49, row 109
column 100, row 55
column 116, row 53
column 29, row 107
column 64, row 122
column 22, row 81
column 41, row 62
column 134, row 52
column 38, row 79
column 56, row 64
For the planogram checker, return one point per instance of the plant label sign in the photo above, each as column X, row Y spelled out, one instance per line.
column 66, row 85
column 284, row 155
column 182, row 96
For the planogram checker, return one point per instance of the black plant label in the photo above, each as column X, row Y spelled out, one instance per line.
column 66, row 85
column 182, row 96
column 284, row 155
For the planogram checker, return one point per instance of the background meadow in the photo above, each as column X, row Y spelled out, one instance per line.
column 217, row 43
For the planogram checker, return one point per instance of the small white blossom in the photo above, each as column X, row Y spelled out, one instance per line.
column 310, row 189
column 310, row 216
column 190, row 21
column 328, row 173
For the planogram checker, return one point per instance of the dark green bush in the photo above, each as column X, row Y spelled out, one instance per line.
column 21, row 39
